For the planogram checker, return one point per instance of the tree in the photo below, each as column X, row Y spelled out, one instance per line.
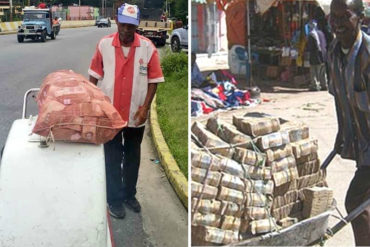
column 179, row 9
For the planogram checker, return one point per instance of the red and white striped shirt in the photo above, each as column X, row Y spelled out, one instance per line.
column 125, row 80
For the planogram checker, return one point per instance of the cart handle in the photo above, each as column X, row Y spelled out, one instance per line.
column 328, row 159
column 25, row 100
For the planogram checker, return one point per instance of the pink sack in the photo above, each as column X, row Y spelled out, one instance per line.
column 73, row 109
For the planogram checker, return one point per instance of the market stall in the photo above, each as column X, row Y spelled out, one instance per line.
column 274, row 35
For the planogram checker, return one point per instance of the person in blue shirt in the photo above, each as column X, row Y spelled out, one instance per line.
column 197, row 78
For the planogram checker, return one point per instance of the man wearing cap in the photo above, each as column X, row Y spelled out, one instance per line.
column 350, row 85
column 127, row 67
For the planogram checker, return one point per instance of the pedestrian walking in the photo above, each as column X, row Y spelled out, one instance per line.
column 316, row 48
column 349, row 68
column 127, row 67
column 323, row 26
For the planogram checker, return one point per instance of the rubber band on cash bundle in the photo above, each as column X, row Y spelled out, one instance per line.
column 272, row 140
column 282, row 164
column 256, row 213
column 209, row 192
column 263, row 226
column 231, row 209
column 232, row 182
column 265, row 187
column 230, row 223
column 211, row 141
column 226, row 194
column 304, row 147
column 296, row 131
column 283, row 177
column 206, row 206
column 199, row 175
column 256, row 126
column 257, row 173
column 204, row 160
column 207, row 219
column 231, row 167
column 248, row 157
column 228, row 133
column 256, row 200
column 278, row 153
column 207, row 235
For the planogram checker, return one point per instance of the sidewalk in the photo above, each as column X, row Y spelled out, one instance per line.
column 163, row 220
column 12, row 27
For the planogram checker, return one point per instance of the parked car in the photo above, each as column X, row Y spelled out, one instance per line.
column 179, row 39
column 104, row 22
column 37, row 24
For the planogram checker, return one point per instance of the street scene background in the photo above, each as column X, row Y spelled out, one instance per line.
column 23, row 66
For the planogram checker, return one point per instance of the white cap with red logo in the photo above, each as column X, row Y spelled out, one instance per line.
column 129, row 14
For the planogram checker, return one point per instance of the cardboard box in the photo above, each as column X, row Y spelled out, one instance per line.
column 272, row 72
column 285, row 61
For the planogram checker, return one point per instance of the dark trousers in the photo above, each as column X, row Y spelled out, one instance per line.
column 122, row 180
column 358, row 192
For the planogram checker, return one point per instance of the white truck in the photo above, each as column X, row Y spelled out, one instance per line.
column 156, row 31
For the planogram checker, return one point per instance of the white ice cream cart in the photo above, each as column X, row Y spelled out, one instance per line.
column 52, row 194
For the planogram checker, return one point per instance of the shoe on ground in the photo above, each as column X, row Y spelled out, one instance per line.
column 133, row 204
column 117, row 212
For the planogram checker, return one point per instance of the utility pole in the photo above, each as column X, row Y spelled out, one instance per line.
column 79, row 11
column 102, row 8
column 11, row 9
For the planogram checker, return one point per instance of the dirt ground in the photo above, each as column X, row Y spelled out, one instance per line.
column 317, row 110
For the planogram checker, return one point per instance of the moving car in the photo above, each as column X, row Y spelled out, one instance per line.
column 103, row 22
column 37, row 25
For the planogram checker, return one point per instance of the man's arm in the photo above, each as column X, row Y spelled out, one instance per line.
column 93, row 80
column 142, row 113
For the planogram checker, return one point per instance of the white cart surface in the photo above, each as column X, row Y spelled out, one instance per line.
column 53, row 196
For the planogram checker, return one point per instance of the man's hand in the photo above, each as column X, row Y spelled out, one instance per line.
column 141, row 115
column 93, row 80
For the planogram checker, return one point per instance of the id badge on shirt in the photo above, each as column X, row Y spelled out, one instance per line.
column 143, row 69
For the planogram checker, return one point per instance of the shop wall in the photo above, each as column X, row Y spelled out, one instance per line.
column 208, row 32
column 81, row 13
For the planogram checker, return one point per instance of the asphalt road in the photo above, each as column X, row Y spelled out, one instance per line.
column 163, row 221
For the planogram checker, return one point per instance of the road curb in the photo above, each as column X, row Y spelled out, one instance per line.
column 6, row 33
column 175, row 176
column 11, row 27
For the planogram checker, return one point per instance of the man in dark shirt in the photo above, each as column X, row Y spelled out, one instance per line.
column 350, row 86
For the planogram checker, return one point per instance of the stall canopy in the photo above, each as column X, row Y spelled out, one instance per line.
column 264, row 5
column 200, row 1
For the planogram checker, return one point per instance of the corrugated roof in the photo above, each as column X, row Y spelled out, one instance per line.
column 199, row 1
